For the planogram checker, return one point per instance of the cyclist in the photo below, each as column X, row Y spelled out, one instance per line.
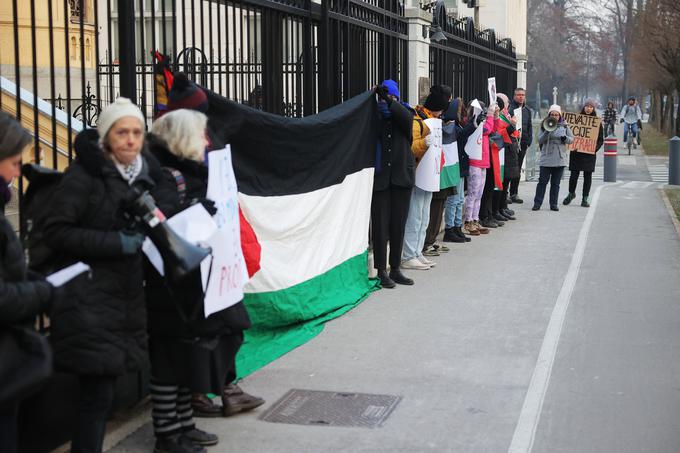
column 609, row 119
column 631, row 115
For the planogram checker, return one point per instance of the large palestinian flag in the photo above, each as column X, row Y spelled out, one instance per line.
column 450, row 173
column 305, row 186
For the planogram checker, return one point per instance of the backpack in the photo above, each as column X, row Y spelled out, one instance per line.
column 34, row 213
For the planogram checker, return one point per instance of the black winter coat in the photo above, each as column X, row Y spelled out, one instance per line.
column 527, row 126
column 463, row 158
column 100, row 329
column 584, row 161
column 163, row 316
column 395, row 164
column 20, row 299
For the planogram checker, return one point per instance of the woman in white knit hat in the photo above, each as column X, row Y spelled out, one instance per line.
column 553, row 158
column 99, row 331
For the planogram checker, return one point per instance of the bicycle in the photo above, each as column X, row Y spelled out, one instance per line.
column 630, row 137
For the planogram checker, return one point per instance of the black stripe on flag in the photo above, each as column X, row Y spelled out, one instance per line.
column 275, row 155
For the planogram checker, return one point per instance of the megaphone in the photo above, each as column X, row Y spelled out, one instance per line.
column 550, row 124
column 180, row 258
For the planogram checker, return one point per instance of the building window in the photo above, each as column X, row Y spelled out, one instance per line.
column 74, row 48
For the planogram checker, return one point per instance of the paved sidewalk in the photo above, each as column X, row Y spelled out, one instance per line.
column 461, row 345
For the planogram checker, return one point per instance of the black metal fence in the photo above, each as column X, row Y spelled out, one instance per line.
column 468, row 57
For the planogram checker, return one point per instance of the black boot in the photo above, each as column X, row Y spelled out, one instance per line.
column 507, row 214
column 385, row 280
column 459, row 232
column 450, row 235
column 398, row 277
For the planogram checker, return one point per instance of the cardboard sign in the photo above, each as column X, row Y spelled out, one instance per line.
column 429, row 169
column 586, row 129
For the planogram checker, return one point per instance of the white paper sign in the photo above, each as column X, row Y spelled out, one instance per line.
column 517, row 114
column 492, row 90
column 476, row 106
column 67, row 274
column 473, row 147
column 429, row 169
column 227, row 271
column 194, row 225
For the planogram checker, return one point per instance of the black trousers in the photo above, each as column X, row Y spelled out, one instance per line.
column 436, row 214
column 554, row 175
column 96, row 399
column 8, row 429
column 587, row 182
column 389, row 211
column 514, row 182
column 486, row 204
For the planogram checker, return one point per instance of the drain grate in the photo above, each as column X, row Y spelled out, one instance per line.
column 318, row 408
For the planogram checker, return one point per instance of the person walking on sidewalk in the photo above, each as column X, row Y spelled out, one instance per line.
column 584, row 162
column 419, row 208
column 609, row 119
column 453, row 212
column 553, row 158
column 631, row 116
column 519, row 101
column 392, row 184
column 479, row 169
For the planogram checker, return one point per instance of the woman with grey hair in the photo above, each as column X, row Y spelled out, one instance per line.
column 99, row 331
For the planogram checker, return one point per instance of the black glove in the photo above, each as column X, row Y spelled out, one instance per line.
column 131, row 242
column 209, row 205
column 383, row 93
column 56, row 299
column 563, row 138
column 480, row 118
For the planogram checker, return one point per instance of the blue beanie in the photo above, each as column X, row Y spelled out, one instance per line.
column 392, row 88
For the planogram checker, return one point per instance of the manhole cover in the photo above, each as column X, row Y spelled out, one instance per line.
column 311, row 407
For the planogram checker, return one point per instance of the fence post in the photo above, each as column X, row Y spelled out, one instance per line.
column 674, row 161
column 126, row 49
column 418, row 52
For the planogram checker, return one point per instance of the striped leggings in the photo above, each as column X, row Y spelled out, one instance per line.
column 171, row 413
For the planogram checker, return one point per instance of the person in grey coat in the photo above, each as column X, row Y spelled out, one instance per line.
column 553, row 158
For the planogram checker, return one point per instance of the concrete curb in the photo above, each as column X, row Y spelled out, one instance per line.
column 671, row 211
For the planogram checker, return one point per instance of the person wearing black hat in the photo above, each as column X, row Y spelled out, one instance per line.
column 419, row 209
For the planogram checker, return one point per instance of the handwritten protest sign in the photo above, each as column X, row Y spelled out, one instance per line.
column 586, row 129
column 429, row 169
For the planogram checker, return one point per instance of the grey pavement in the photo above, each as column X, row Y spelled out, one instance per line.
column 461, row 345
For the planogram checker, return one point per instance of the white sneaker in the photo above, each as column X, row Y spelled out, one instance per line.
column 414, row 263
column 426, row 262
column 634, row 141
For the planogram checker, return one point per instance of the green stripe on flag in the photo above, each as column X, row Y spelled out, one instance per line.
column 283, row 320
column 450, row 176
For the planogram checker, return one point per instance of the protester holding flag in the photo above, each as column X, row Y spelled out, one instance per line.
column 519, row 102
column 419, row 209
column 453, row 213
column 584, row 162
column 392, row 183
column 477, row 180
column 494, row 179
column 553, row 158
column 505, row 126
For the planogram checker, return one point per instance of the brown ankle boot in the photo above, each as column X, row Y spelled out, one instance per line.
column 235, row 400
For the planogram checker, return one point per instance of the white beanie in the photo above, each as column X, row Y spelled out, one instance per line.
column 113, row 112
column 555, row 108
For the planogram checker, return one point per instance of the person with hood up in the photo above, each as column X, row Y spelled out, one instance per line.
column 393, row 183
column 419, row 209
column 99, row 332
column 479, row 182
column 22, row 297
column 584, row 162
column 553, row 158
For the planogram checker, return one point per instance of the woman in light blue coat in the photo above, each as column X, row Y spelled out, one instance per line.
column 553, row 158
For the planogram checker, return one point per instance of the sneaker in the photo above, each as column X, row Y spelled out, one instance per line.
column 176, row 444
column 488, row 223
column 425, row 261
column 451, row 236
column 471, row 229
column 200, row 437
column 204, row 406
column 414, row 263
column 507, row 214
column 585, row 203
column 385, row 280
column 508, row 200
column 569, row 198
column 500, row 218
column 235, row 400
column 507, row 211
column 398, row 277
column 441, row 248
column 458, row 231
column 480, row 228
column 430, row 251
column 516, row 199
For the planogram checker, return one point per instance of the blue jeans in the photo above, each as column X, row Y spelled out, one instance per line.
column 416, row 223
column 633, row 127
column 554, row 175
column 453, row 213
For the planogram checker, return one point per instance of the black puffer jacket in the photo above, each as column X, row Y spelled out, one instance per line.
column 101, row 327
column 164, row 318
column 20, row 299
column 395, row 164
